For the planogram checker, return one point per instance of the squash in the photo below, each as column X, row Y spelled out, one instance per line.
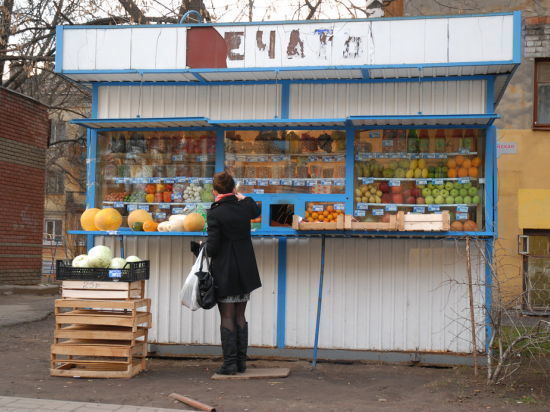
column 194, row 222
column 87, row 219
column 108, row 219
column 138, row 215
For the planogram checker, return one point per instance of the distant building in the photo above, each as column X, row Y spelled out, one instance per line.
column 24, row 130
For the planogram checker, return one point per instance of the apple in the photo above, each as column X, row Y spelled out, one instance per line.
column 449, row 200
column 429, row 200
column 416, row 192
column 476, row 199
column 386, row 198
column 467, row 185
column 420, row 201
column 426, row 192
column 396, row 189
column 411, row 200
column 435, row 192
column 444, row 192
column 459, row 200
column 439, row 200
column 467, row 200
column 457, row 185
column 449, row 185
column 397, row 198
column 384, row 187
column 463, row 192
column 407, row 194
column 472, row 191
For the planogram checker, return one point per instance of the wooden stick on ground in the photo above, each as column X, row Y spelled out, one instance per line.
column 471, row 297
column 191, row 402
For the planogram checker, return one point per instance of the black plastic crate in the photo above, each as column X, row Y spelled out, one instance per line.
column 132, row 272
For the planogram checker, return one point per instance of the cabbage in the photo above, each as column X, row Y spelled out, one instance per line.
column 133, row 259
column 100, row 256
column 81, row 261
column 117, row 263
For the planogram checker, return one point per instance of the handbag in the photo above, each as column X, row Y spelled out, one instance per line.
column 206, row 295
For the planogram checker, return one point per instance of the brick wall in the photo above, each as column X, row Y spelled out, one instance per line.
column 537, row 36
column 24, row 129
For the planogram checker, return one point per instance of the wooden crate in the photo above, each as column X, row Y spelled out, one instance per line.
column 100, row 338
column 297, row 224
column 427, row 222
column 394, row 224
column 85, row 289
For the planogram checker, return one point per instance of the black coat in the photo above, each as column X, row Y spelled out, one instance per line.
column 229, row 244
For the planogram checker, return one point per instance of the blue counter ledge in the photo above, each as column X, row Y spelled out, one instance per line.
column 304, row 233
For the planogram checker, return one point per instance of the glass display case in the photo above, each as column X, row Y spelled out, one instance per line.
column 420, row 171
column 162, row 172
column 287, row 161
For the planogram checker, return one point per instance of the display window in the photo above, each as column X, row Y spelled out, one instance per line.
column 420, row 171
column 160, row 172
column 287, row 161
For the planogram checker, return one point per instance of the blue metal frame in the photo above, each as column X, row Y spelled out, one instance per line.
column 281, row 291
column 489, row 247
column 91, row 140
column 220, row 152
column 285, row 99
column 59, row 48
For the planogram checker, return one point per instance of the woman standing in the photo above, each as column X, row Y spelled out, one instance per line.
column 233, row 266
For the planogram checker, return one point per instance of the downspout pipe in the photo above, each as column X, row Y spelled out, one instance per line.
column 190, row 12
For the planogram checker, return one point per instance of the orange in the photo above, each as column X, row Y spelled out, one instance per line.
column 451, row 164
column 308, row 214
column 476, row 161
column 462, row 172
column 459, row 160
column 330, row 208
column 150, row 226
column 325, row 213
column 467, row 163
column 473, row 172
column 314, row 215
column 451, row 173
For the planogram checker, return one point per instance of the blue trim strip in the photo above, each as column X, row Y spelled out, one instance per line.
column 365, row 73
column 488, row 293
column 490, row 83
column 490, row 159
column 276, row 22
column 350, row 170
column 285, row 99
column 138, row 120
column 281, row 291
column 199, row 77
column 91, row 138
column 517, row 37
column 319, row 302
column 505, row 86
column 220, row 151
column 58, row 68
column 488, row 116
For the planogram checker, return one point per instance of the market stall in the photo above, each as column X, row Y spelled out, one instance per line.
column 376, row 134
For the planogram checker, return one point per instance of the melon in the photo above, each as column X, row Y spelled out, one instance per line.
column 457, row 226
column 139, row 215
column 87, row 219
column 108, row 219
column 193, row 222
column 470, row 226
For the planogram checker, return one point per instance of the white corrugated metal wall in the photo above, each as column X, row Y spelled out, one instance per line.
column 171, row 261
column 214, row 102
column 309, row 101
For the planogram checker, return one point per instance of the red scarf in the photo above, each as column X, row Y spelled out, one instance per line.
column 220, row 197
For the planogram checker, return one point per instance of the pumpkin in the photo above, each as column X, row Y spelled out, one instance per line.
column 194, row 222
column 87, row 219
column 470, row 226
column 138, row 215
column 108, row 219
column 150, row 226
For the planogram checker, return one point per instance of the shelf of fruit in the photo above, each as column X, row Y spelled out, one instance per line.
column 158, row 203
column 312, row 157
column 422, row 179
column 154, row 180
column 404, row 155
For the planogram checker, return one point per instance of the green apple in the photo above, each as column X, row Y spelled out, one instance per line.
column 472, row 191
column 429, row 200
column 467, row 200
column 463, row 192
column 453, row 192
column 430, row 185
column 435, row 192
column 444, row 192
column 457, row 185
column 459, row 200
column 449, row 185
column 476, row 199
column 467, row 185
column 439, row 200
column 449, row 200
column 426, row 192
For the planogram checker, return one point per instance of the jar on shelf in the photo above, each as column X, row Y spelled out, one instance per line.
column 424, row 141
column 309, row 143
column 455, row 143
column 412, row 141
column 469, row 140
column 440, row 141
column 400, row 141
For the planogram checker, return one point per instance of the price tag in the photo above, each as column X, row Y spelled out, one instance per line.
column 441, row 155
column 318, row 208
column 299, row 183
column 378, row 212
column 286, row 182
column 462, row 209
column 252, row 158
column 362, row 206
column 181, row 179
column 208, row 180
column 339, row 182
column 367, row 180
column 250, row 182
column 434, row 208
column 395, row 182
column 463, row 180
column 414, row 156
column 118, row 204
column 374, row 134
column 194, row 180
column 437, row 182
column 339, row 206
column 112, row 232
column 276, row 158
column 311, row 183
column 178, row 210
column 202, row 158
column 326, row 182
column 359, row 212
column 312, row 158
column 391, row 208
column 461, row 216
column 464, row 150
column 419, row 209
column 144, row 207
column 166, row 205
column 177, row 158
column 131, row 208
column 177, row 196
column 115, row 274
column 358, row 156
column 262, row 159
column 421, row 181
column 169, row 180
column 339, row 158
column 142, row 180
column 230, row 156
column 156, row 180
column 387, row 143
column 119, row 180
column 328, row 159
column 274, row 182
column 259, row 191
column 263, row 182
column 160, row 215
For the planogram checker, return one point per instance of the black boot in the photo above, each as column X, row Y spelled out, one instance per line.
column 229, row 348
column 242, row 345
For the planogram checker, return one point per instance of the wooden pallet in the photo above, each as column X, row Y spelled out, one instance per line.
column 298, row 224
column 100, row 338
column 431, row 222
column 84, row 289
column 395, row 223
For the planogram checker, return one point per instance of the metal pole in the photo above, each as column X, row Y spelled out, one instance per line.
column 319, row 301
column 471, row 299
column 121, row 239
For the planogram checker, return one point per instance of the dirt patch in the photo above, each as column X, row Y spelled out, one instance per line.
column 24, row 356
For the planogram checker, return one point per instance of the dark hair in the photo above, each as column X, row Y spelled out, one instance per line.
column 223, row 183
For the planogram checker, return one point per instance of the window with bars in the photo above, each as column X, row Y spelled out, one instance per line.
column 53, row 231
column 541, row 103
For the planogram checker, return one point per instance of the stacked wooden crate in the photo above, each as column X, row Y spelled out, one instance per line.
column 101, row 330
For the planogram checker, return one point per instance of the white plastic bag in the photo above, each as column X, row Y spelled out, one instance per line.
column 190, row 289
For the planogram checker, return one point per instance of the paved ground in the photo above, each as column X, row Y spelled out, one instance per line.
column 24, row 372
column 13, row 404
column 15, row 309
